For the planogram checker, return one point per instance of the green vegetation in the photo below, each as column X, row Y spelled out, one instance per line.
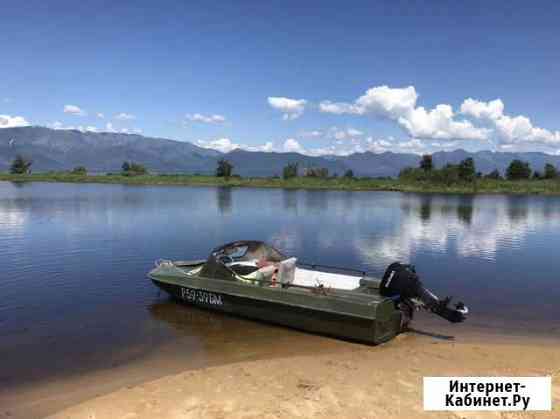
column 290, row 171
column 452, row 178
column 518, row 170
column 479, row 185
column 133, row 169
column 349, row 174
column 224, row 169
column 79, row 170
column 426, row 163
column 319, row 172
column 20, row 166
column 550, row 172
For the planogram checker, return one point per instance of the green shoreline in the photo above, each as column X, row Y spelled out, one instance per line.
column 480, row 186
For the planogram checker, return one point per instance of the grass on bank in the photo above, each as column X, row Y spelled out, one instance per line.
column 482, row 185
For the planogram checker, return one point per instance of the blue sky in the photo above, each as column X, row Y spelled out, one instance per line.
column 318, row 77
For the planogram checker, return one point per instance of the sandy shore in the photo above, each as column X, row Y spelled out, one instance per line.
column 361, row 382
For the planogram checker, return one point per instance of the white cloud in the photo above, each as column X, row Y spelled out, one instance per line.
column 399, row 104
column 483, row 110
column 266, row 147
column 290, row 108
column 339, row 108
column 110, row 128
column 123, row 116
column 438, row 124
column 314, row 133
column 74, row 110
column 292, row 146
column 341, row 134
column 7, row 121
column 207, row 119
column 100, row 115
column 510, row 129
column 352, row 132
column 60, row 126
column 225, row 145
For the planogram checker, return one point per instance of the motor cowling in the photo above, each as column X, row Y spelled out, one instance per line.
column 402, row 283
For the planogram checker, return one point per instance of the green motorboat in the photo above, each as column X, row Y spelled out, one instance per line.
column 255, row 280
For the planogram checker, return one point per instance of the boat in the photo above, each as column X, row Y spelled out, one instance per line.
column 253, row 279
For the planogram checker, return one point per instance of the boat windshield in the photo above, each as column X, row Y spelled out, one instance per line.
column 239, row 258
column 248, row 250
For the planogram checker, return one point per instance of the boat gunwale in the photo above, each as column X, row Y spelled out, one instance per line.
column 167, row 279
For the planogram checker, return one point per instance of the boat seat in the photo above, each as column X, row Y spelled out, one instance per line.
column 287, row 271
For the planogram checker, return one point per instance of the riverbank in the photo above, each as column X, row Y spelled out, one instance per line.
column 359, row 382
column 487, row 186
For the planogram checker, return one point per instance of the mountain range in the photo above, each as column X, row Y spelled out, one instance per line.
column 56, row 150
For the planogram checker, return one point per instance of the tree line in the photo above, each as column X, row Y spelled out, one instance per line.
column 465, row 172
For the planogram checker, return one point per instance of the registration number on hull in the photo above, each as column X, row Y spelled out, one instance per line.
column 201, row 297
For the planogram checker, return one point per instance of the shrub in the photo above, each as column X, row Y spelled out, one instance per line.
column 518, row 169
column 320, row 172
column 133, row 169
column 426, row 163
column 349, row 174
column 467, row 170
column 290, row 171
column 550, row 172
column 20, row 166
column 79, row 170
column 224, row 169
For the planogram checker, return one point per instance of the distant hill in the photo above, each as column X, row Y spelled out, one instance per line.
column 100, row 152
column 104, row 152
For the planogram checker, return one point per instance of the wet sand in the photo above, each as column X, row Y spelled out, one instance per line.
column 355, row 382
column 258, row 370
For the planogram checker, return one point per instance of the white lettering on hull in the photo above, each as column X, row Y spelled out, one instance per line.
column 201, row 297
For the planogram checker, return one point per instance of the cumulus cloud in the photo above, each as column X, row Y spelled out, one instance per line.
column 123, row 116
column 293, row 146
column 483, row 110
column 100, row 115
column 7, row 121
column 290, row 108
column 207, row 119
column 510, row 129
column 74, row 110
column 399, row 104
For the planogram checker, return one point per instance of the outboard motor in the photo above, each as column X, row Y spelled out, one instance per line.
column 402, row 282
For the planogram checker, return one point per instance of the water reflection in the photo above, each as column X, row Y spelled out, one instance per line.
column 223, row 199
column 74, row 251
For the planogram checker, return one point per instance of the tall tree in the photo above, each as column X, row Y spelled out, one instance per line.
column 467, row 170
column 550, row 171
column 426, row 163
column 20, row 166
column 224, row 169
column 518, row 169
column 349, row 174
column 290, row 171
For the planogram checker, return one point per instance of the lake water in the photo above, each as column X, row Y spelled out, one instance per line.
column 74, row 295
